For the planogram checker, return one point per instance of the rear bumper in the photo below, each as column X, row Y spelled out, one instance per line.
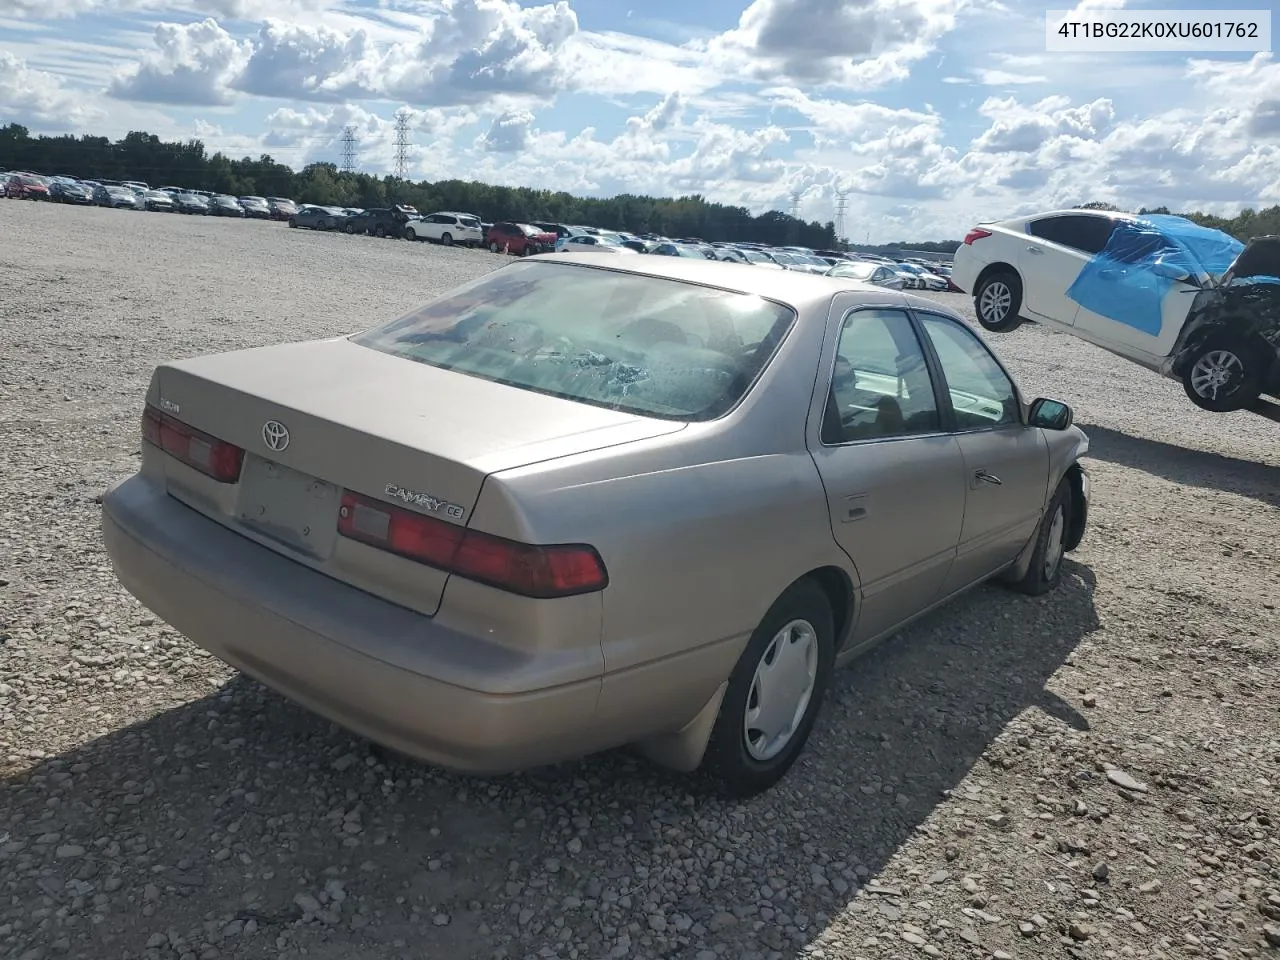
column 331, row 647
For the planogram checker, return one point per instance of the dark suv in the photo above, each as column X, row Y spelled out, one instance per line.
column 381, row 221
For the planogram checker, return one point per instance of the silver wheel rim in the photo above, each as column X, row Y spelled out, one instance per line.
column 1214, row 371
column 995, row 302
column 781, row 690
column 1053, row 548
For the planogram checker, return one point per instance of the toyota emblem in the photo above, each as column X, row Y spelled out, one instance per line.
column 275, row 435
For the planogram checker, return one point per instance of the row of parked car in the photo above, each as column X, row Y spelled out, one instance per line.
column 526, row 238
column 137, row 195
column 451, row 228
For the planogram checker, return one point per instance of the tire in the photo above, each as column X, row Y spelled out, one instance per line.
column 349, row 229
column 293, row 223
column 409, row 234
column 1223, row 374
column 493, row 247
column 380, row 231
column 998, row 301
column 743, row 768
column 446, row 239
column 1045, row 572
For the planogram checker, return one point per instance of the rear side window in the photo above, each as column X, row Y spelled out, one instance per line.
column 880, row 387
column 645, row 345
column 1082, row 232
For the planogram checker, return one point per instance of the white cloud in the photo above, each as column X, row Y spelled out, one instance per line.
column 509, row 132
column 854, row 43
column 39, row 99
column 194, row 63
column 470, row 52
column 1025, row 129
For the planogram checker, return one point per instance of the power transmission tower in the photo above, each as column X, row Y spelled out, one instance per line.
column 793, row 228
column 402, row 144
column 349, row 149
column 842, row 202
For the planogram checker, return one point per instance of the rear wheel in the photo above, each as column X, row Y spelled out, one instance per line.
column 997, row 302
column 1223, row 374
column 774, row 693
column 293, row 223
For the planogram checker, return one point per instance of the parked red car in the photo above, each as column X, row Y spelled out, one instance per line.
column 519, row 238
column 26, row 186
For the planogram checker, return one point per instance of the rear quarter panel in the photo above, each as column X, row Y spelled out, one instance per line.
column 700, row 531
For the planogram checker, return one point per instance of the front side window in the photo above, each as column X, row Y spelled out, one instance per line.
column 646, row 345
column 881, row 387
column 982, row 395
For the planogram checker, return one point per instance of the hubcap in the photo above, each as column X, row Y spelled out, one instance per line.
column 780, row 690
column 995, row 302
column 1216, row 373
column 1053, row 545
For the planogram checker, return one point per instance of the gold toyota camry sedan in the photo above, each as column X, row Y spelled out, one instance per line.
column 580, row 503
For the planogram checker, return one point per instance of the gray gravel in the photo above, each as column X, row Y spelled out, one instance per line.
column 1091, row 773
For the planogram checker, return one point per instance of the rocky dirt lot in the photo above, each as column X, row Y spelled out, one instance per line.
column 1092, row 773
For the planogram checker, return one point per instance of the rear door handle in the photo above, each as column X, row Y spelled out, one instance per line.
column 854, row 508
column 981, row 476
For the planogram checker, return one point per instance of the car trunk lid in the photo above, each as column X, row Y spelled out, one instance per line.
column 321, row 417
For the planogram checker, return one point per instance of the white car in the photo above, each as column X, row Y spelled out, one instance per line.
column 589, row 243
column 1189, row 302
column 448, row 228
column 924, row 279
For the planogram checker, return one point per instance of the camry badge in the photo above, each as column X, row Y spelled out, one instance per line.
column 275, row 435
column 425, row 501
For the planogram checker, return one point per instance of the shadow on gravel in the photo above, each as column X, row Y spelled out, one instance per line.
column 209, row 830
column 1193, row 468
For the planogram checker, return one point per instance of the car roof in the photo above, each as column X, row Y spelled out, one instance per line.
column 792, row 287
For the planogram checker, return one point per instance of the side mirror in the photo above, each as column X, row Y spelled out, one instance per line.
column 1050, row 414
column 1170, row 272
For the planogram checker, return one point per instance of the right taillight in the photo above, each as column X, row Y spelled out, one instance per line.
column 977, row 233
column 213, row 457
column 542, row 572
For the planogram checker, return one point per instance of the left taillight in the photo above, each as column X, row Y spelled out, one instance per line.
column 213, row 457
column 541, row 572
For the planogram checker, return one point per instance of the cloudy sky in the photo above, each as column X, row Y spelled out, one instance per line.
column 926, row 114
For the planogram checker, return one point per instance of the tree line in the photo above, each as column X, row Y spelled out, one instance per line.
column 144, row 156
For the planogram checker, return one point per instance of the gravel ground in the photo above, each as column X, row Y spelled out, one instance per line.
column 1091, row 773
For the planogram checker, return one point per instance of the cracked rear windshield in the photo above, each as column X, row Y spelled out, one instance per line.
column 644, row 345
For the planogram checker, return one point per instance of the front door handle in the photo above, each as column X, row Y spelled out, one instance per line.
column 1035, row 250
column 981, row 476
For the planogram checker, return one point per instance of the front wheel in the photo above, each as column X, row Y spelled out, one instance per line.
column 379, row 231
column 998, row 301
column 774, row 693
column 349, row 229
column 1223, row 375
column 493, row 247
column 293, row 223
column 447, row 239
column 409, row 234
column 1045, row 572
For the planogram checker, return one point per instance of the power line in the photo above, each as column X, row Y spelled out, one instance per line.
column 402, row 144
column 793, row 228
column 349, row 149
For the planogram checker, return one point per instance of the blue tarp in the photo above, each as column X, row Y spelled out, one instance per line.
column 1120, row 283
